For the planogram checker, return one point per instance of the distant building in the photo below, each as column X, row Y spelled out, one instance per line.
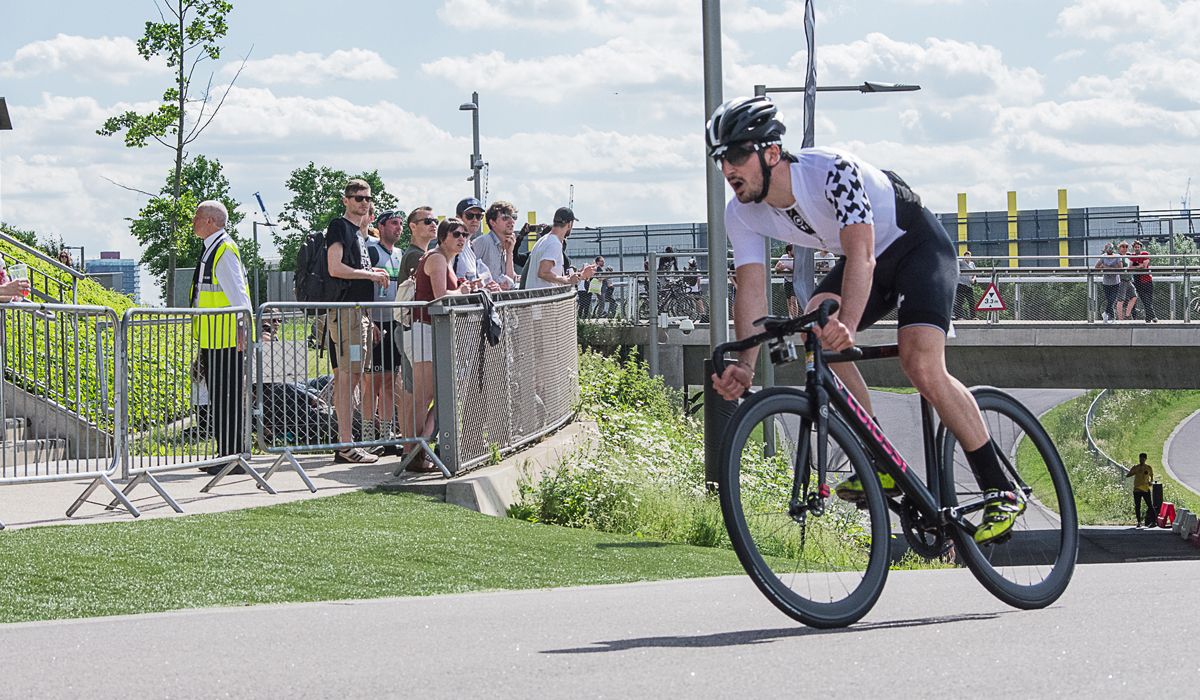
column 116, row 273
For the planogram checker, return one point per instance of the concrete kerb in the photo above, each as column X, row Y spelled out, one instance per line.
column 491, row 490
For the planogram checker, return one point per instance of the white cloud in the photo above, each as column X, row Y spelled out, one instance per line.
column 616, row 64
column 109, row 59
column 945, row 67
column 303, row 68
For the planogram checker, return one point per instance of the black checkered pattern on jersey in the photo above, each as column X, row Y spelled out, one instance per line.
column 844, row 190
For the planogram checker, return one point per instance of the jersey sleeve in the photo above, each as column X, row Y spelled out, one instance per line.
column 748, row 246
column 845, row 191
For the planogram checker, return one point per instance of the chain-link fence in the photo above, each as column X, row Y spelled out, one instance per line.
column 515, row 374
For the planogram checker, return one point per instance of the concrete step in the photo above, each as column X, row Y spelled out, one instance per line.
column 14, row 429
column 21, row 453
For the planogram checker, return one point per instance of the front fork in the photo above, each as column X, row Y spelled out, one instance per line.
column 803, row 500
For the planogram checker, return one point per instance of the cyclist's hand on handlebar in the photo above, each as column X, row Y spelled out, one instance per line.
column 835, row 335
column 733, row 382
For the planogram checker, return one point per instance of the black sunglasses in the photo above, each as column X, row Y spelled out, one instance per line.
column 428, row 221
column 473, row 216
column 360, row 198
column 735, row 155
column 459, row 233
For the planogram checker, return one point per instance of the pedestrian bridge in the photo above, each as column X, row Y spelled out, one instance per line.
column 1075, row 355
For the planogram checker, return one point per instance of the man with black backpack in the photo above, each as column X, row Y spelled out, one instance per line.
column 351, row 333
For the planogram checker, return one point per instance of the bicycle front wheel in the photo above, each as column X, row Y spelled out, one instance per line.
column 1031, row 568
column 824, row 569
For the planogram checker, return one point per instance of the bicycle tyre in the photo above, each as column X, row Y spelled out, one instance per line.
column 1000, row 567
column 861, row 596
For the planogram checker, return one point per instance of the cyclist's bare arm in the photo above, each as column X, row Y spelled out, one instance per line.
column 858, row 242
column 749, row 305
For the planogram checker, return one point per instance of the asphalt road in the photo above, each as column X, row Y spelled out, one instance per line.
column 1121, row 630
column 1183, row 455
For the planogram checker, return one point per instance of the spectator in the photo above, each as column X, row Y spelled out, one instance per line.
column 523, row 244
column 351, row 333
column 693, row 279
column 668, row 262
column 786, row 266
column 435, row 279
column 1126, row 295
column 824, row 261
column 1143, row 281
column 423, row 227
column 1110, row 262
column 379, row 396
column 219, row 281
column 467, row 266
column 10, row 289
column 590, row 290
column 608, row 304
column 494, row 249
column 546, row 261
column 64, row 257
column 1142, row 474
column 964, row 297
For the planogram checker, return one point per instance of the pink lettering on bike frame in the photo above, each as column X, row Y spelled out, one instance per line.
column 861, row 414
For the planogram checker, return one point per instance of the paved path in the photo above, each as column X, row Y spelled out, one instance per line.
column 28, row 505
column 1182, row 454
column 1121, row 630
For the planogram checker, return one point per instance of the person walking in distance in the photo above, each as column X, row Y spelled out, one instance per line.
column 1143, row 476
column 220, row 282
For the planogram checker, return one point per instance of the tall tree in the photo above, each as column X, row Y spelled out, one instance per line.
column 317, row 200
column 165, row 223
column 186, row 36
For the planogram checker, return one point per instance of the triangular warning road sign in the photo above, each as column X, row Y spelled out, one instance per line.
column 991, row 301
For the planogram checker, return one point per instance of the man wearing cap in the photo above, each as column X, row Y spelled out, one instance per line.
column 380, row 382
column 545, row 266
column 466, row 264
column 494, row 249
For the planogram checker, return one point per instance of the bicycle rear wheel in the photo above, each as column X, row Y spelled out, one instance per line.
column 825, row 570
column 1032, row 568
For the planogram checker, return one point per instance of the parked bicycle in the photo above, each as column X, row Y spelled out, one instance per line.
column 824, row 561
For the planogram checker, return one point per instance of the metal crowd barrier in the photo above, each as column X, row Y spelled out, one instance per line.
column 498, row 396
column 295, row 409
column 58, row 395
column 181, row 406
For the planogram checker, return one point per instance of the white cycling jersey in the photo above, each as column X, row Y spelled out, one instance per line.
column 832, row 191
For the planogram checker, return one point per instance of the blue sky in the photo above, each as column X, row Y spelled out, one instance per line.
column 1098, row 96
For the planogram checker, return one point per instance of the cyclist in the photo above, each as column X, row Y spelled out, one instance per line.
column 892, row 254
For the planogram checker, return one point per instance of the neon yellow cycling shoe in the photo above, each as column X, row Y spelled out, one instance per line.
column 999, row 516
column 851, row 489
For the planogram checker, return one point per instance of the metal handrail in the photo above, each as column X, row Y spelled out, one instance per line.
column 1093, row 446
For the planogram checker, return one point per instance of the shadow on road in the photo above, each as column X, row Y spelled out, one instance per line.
column 741, row 638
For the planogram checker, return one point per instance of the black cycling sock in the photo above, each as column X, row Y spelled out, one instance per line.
column 985, row 463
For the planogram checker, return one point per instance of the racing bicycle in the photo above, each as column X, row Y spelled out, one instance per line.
column 824, row 561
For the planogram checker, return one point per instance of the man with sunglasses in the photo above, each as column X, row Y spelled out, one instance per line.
column 350, row 332
column 893, row 254
column 494, row 249
column 467, row 265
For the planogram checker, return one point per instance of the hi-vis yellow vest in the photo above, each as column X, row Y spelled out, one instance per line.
column 218, row 330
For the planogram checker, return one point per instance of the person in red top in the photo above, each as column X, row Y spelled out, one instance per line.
column 1143, row 281
column 435, row 279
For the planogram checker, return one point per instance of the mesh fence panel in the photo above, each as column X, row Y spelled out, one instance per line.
column 520, row 388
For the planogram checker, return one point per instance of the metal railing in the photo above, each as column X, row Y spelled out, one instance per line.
column 49, row 280
column 1029, row 291
column 509, row 389
column 58, row 395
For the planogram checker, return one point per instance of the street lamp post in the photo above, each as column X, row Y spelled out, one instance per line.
column 476, row 158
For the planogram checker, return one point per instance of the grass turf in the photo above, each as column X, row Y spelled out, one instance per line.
column 361, row 545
